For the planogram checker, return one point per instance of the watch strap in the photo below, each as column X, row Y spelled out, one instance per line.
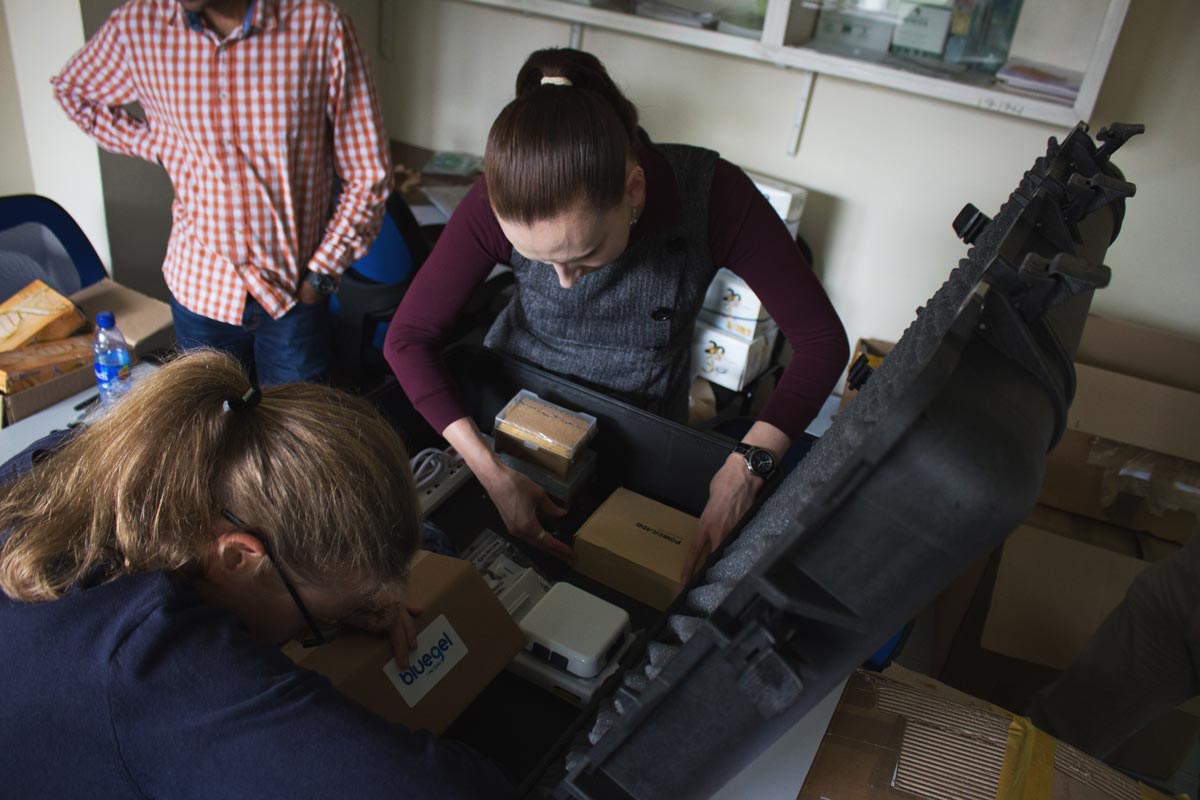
column 745, row 450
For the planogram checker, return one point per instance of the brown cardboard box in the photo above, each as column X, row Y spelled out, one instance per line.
column 35, row 314
column 637, row 546
column 1051, row 594
column 466, row 638
column 1072, row 484
column 874, row 350
column 1011, row 623
column 1123, row 408
column 1035, row 600
column 34, row 364
column 1139, row 386
column 901, row 735
column 145, row 323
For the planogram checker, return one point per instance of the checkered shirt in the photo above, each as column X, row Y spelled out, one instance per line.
column 252, row 130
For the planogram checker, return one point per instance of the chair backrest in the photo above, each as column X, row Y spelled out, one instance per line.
column 37, row 230
column 371, row 289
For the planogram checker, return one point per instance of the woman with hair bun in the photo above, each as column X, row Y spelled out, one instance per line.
column 613, row 240
column 154, row 561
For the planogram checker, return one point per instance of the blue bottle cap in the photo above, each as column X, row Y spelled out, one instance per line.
column 105, row 319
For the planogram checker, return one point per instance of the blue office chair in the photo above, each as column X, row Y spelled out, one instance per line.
column 64, row 259
column 369, row 292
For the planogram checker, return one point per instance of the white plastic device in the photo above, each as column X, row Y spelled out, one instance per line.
column 574, row 631
column 573, row 689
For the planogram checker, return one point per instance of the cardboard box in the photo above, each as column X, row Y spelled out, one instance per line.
column 466, row 638
column 787, row 199
column 901, row 735
column 729, row 295
column 637, row 546
column 874, row 350
column 744, row 329
column 1007, row 627
column 1034, row 602
column 542, row 433
column 1051, row 594
column 1138, row 386
column 34, row 364
column 36, row 314
column 1077, row 486
column 728, row 360
column 1123, row 408
column 145, row 322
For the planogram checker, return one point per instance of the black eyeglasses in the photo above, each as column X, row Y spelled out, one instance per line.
column 319, row 635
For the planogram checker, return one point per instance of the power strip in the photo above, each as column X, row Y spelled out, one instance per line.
column 433, row 496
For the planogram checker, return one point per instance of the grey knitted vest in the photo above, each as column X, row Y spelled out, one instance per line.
column 626, row 329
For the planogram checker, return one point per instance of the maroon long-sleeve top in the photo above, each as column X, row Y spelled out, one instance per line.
column 745, row 235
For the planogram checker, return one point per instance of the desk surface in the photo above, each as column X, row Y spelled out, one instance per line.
column 16, row 437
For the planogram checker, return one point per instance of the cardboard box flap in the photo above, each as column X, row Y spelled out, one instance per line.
column 144, row 322
column 1051, row 594
column 1136, row 411
column 1140, row 352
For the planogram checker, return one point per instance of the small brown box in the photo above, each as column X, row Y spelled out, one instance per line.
column 35, row 314
column 637, row 546
column 34, row 364
column 466, row 638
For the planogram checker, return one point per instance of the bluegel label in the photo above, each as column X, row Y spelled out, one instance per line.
column 107, row 373
column 439, row 648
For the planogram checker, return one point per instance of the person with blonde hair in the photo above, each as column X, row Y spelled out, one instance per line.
column 151, row 566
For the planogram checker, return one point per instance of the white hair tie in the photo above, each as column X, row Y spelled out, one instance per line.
column 556, row 80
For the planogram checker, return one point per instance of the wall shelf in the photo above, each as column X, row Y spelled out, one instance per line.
column 1107, row 16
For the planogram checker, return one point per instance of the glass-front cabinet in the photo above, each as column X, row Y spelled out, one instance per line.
column 1041, row 59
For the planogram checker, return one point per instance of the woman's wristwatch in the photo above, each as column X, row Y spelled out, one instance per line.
column 759, row 462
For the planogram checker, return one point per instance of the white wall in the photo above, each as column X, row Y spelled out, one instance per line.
column 888, row 171
column 16, row 176
column 42, row 35
column 137, row 199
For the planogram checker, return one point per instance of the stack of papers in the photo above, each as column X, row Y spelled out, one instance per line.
column 1030, row 76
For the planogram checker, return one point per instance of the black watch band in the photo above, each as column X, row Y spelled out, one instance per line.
column 759, row 461
column 324, row 284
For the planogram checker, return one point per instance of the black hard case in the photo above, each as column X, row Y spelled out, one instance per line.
column 933, row 464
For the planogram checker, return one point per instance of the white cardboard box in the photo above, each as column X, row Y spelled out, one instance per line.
column 745, row 329
column 729, row 360
column 786, row 198
column 729, row 295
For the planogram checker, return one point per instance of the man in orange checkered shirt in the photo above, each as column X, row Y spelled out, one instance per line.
column 255, row 108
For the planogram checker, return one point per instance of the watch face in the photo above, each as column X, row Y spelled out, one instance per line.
column 762, row 462
column 322, row 283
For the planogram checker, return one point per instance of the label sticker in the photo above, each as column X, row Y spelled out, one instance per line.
column 439, row 648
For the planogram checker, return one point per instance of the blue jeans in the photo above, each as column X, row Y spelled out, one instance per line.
column 293, row 348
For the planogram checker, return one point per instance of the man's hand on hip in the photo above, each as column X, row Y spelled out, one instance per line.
column 308, row 295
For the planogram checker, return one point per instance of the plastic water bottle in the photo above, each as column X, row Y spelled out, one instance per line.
column 112, row 361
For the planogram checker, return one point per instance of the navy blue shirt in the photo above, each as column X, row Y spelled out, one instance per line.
column 137, row 688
